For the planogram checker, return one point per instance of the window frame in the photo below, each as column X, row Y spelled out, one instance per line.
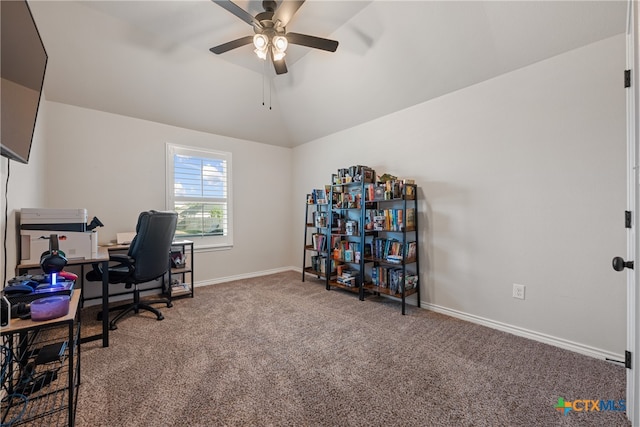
column 201, row 242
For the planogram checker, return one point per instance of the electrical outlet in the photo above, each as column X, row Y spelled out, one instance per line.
column 518, row 291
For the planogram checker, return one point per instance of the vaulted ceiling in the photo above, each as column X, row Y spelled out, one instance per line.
column 151, row 60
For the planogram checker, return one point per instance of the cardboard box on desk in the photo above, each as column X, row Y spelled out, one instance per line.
column 75, row 245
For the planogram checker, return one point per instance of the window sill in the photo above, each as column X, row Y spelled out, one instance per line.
column 212, row 248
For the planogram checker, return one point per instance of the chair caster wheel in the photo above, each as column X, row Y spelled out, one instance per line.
column 169, row 304
column 112, row 327
column 160, row 317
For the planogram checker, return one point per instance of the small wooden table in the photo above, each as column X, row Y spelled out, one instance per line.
column 49, row 397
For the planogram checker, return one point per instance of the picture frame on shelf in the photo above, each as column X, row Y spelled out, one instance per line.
column 178, row 258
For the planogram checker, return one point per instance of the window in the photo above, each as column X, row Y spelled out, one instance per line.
column 199, row 190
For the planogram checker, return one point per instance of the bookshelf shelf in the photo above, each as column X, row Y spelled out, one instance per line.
column 315, row 255
column 336, row 284
column 380, row 290
column 181, row 277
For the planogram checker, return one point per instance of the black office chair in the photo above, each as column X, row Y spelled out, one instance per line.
column 148, row 259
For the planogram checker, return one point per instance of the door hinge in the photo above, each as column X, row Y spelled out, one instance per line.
column 627, row 219
column 627, row 359
column 627, row 78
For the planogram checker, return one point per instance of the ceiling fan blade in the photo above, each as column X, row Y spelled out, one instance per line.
column 225, row 47
column 280, row 66
column 286, row 10
column 312, row 41
column 238, row 11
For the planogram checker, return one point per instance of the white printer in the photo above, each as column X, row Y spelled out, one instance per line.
column 37, row 225
column 53, row 219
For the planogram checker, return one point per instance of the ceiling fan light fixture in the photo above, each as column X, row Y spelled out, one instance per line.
column 262, row 54
column 280, row 43
column 261, row 42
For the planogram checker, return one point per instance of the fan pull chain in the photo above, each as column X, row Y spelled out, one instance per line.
column 264, row 78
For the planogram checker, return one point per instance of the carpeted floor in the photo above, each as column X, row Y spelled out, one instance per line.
column 273, row 351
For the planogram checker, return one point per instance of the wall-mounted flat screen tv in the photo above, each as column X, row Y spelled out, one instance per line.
column 23, row 63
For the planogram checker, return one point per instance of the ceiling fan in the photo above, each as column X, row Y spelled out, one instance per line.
column 271, row 37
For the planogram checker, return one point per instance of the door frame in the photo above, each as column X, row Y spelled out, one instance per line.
column 633, row 196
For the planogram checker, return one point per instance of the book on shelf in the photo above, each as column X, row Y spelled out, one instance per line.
column 379, row 221
column 348, row 278
column 389, row 249
column 394, row 248
column 336, row 241
column 396, row 259
column 319, row 196
column 411, row 218
column 411, row 250
column 355, row 197
column 351, row 228
column 348, row 281
column 348, row 255
column 368, row 193
column 409, row 190
column 379, row 277
column 368, row 252
column 319, row 241
column 395, row 280
column 386, row 219
column 319, row 264
column 178, row 288
column 378, row 192
column 320, row 219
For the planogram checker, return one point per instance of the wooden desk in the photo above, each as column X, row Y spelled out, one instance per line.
column 102, row 257
column 185, row 245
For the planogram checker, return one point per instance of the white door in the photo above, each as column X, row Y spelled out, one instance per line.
column 632, row 358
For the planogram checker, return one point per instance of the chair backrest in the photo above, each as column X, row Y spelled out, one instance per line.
column 151, row 247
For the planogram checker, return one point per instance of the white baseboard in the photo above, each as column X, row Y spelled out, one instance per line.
column 526, row 333
column 242, row 276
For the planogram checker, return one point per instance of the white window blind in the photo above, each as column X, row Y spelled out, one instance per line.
column 199, row 190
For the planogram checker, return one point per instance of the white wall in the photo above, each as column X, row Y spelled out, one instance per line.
column 114, row 166
column 25, row 188
column 522, row 179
